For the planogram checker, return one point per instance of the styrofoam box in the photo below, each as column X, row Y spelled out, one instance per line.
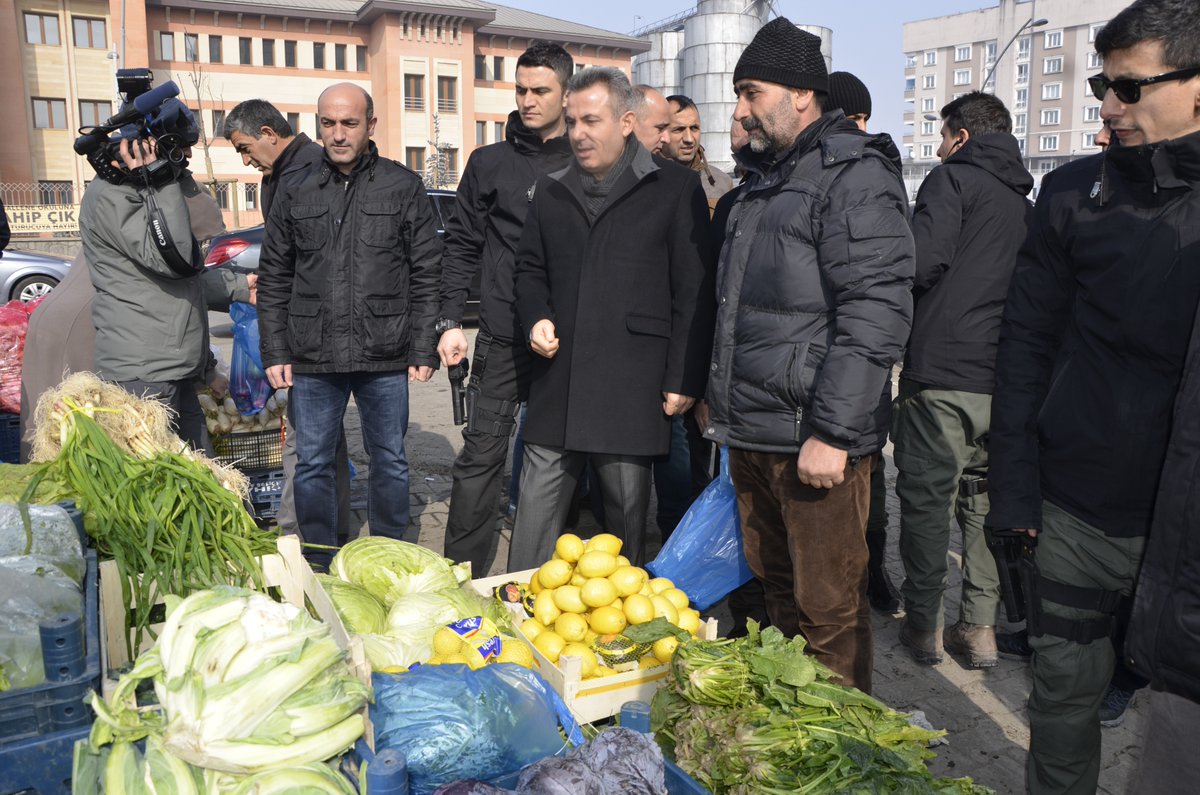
column 588, row 699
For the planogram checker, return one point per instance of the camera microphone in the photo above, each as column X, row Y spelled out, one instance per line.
column 144, row 104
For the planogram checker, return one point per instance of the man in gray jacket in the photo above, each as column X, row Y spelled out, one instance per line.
column 814, row 306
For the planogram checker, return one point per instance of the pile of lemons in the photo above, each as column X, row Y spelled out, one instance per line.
column 588, row 593
column 451, row 648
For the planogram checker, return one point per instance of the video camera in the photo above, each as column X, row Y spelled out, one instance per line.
column 145, row 113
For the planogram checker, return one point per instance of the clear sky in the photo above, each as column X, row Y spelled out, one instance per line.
column 866, row 35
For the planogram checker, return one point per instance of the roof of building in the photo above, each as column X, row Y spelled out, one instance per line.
column 518, row 22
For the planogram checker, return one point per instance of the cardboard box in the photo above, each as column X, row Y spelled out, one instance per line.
column 588, row 699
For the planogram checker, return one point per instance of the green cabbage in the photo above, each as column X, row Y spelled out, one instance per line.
column 389, row 569
column 362, row 613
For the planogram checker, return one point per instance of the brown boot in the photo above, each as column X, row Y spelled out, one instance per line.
column 976, row 642
column 925, row 645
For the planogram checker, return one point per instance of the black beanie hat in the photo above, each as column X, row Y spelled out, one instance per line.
column 782, row 53
column 848, row 93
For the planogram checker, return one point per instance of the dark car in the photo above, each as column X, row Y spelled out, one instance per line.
column 239, row 250
column 26, row 275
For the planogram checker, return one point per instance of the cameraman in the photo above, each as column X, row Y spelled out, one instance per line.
column 149, row 311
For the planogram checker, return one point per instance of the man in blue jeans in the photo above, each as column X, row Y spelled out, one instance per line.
column 348, row 300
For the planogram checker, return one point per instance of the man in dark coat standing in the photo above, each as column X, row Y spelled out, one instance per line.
column 969, row 221
column 621, row 323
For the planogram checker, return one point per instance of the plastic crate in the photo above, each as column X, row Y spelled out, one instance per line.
column 266, row 493
column 251, row 451
column 41, row 764
column 57, row 705
column 10, row 438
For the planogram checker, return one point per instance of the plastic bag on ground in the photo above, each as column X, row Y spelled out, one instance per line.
column 53, row 534
column 248, row 383
column 32, row 590
column 704, row 555
column 453, row 723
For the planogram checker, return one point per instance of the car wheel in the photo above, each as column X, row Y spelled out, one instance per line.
column 32, row 287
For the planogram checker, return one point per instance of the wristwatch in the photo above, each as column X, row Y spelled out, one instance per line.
column 444, row 324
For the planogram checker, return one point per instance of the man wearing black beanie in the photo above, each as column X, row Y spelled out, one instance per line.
column 850, row 94
column 814, row 306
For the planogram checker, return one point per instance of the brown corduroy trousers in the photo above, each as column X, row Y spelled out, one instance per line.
column 808, row 548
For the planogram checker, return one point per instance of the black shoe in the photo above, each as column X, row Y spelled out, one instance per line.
column 1112, row 708
column 1014, row 645
column 882, row 595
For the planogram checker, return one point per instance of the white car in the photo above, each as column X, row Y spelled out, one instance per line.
column 26, row 275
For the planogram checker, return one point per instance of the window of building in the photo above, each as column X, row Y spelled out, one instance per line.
column 451, row 164
column 498, row 67
column 931, row 58
column 1094, row 29
column 480, row 133
column 1021, row 146
column 927, row 128
column 214, row 49
column 1052, row 91
column 414, row 158
column 499, row 131
column 218, row 127
column 910, row 61
column 294, row 122
column 929, row 81
column 910, row 83
column 221, row 189
column 990, row 52
column 1019, row 121
column 1051, row 116
column 318, row 55
column 926, row 104
column 481, row 67
column 414, row 95
column 1089, row 140
column 89, row 33
column 244, row 51
column 1052, row 66
column 1091, row 113
column 268, row 52
column 93, row 112
column 289, row 53
column 339, row 57
column 1095, row 60
column 360, row 58
column 1022, row 73
column 1022, row 98
column 166, row 46
column 41, row 29
column 191, row 47
column 1023, row 48
column 962, row 53
column 1048, row 143
column 251, row 194
column 926, row 150
column 908, row 151
column 1053, row 39
column 962, row 77
column 49, row 114
column 447, row 95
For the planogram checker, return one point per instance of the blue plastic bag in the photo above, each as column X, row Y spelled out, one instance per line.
column 453, row 723
column 248, row 383
column 704, row 555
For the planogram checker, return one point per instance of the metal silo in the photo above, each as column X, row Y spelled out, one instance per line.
column 659, row 67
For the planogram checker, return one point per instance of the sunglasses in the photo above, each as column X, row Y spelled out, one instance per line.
column 1129, row 89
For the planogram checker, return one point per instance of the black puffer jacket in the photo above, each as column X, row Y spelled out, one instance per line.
column 492, row 201
column 968, row 224
column 296, row 158
column 1094, row 339
column 814, row 298
column 349, row 271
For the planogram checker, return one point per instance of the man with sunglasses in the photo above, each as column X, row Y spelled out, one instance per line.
column 1092, row 350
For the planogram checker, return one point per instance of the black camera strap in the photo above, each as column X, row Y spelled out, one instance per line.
column 160, row 232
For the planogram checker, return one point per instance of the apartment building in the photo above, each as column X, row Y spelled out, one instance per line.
column 438, row 70
column 1033, row 54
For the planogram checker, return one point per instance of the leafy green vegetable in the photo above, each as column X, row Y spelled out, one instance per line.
column 654, row 630
column 361, row 612
column 389, row 569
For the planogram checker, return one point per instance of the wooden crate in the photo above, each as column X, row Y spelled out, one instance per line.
column 588, row 699
column 286, row 570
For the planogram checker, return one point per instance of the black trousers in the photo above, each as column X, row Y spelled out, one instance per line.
column 499, row 383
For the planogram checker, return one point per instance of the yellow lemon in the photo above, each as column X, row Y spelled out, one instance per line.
column 514, row 651
column 628, row 580
column 590, row 636
column 664, row 648
column 623, row 561
column 689, row 620
column 676, row 597
column 660, row 584
column 598, row 592
column 649, row 661
column 617, row 603
column 569, row 547
column 638, row 609
column 603, row 670
column 554, row 573
column 646, row 590
column 446, row 641
column 596, row 563
column 608, row 621
column 531, row 628
column 544, row 608
column 587, row 657
column 475, row 660
column 566, row 599
column 549, row 644
column 571, row 627
column 455, row 659
column 604, row 542
column 535, row 585
column 578, row 580
column 664, row 608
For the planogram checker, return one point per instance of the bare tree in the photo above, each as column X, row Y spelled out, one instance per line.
column 202, row 87
column 437, row 164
